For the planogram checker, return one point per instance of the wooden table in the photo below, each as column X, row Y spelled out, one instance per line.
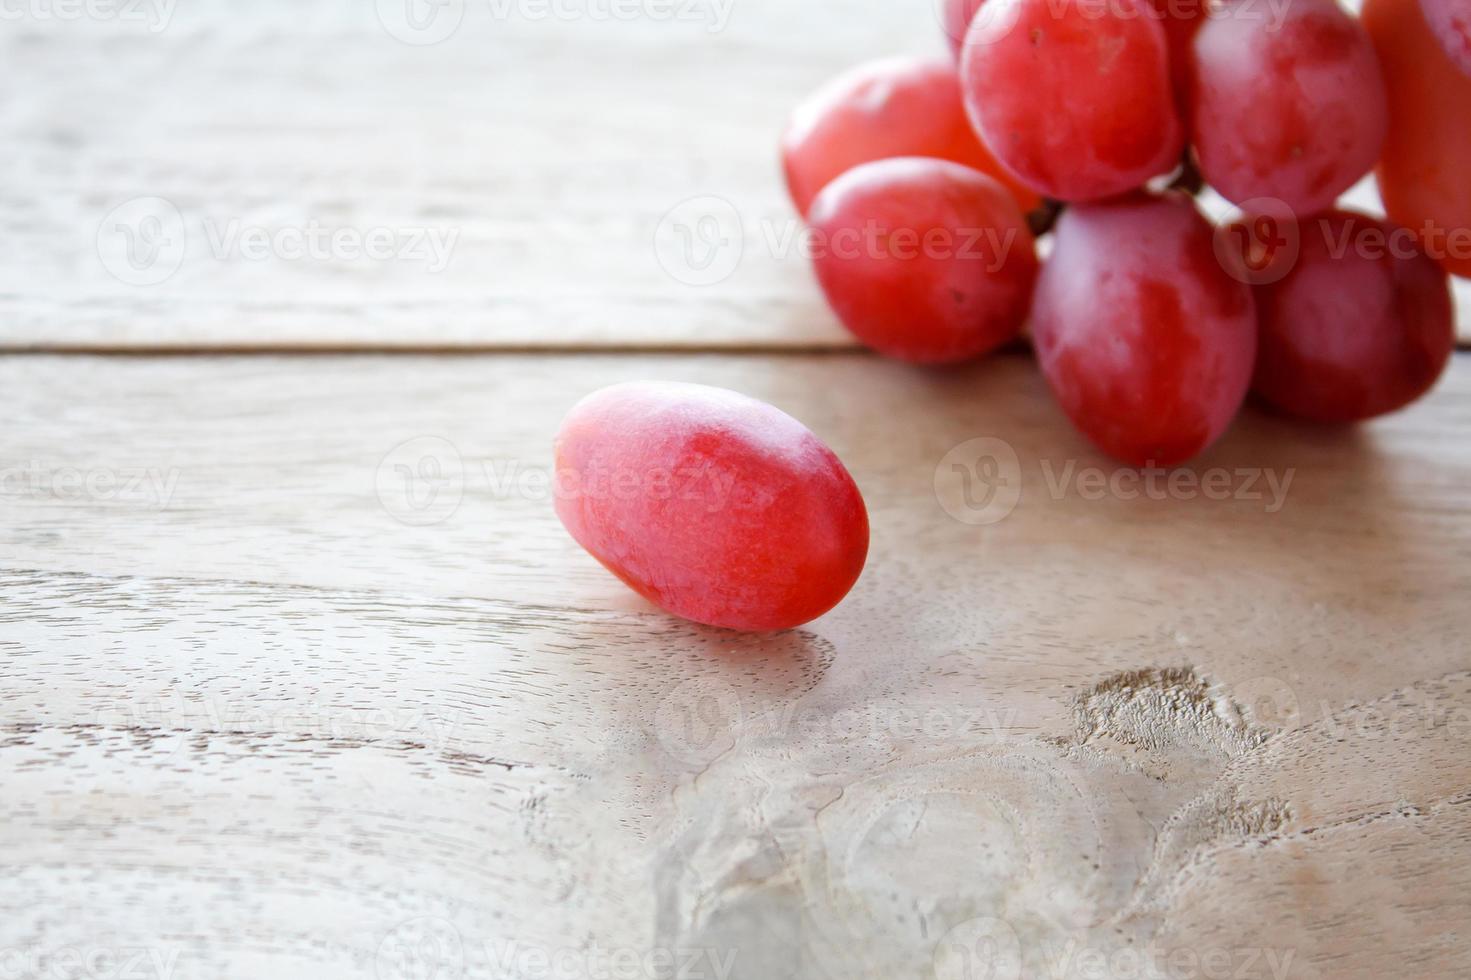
column 300, row 677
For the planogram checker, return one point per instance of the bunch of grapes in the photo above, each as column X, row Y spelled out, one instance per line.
column 928, row 185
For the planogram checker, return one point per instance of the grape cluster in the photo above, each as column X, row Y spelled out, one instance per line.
column 929, row 183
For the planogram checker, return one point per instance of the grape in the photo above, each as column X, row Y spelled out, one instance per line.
column 894, row 107
column 1072, row 96
column 1451, row 22
column 1360, row 326
column 712, row 505
column 924, row 260
column 1427, row 157
column 1294, row 111
column 955, row 17
column 1145, row 337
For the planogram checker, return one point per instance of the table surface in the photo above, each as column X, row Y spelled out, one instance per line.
column 300, row 676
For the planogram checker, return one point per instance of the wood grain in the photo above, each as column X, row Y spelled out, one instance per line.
column 299, row 677
column 585, row 178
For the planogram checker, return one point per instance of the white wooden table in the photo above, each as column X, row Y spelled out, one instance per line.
column 300, row 677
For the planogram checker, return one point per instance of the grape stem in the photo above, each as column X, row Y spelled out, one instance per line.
column 1041, row 218
column 1187, row 180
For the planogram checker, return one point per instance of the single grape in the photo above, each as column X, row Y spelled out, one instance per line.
column 1072, row 96
column 712, row 505
column 1423, row 175
column 893, row 107
column 1145, row 337
column 955, row 18
column 1451, row 22
column 924, row 260
column 1293, row 111
column 1361, row 325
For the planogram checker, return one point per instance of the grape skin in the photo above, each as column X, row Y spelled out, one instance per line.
column 924, row 260
column 1073, row 97
column 893, row 107
column 1297, row 113
column 1354, row 330
column 1144, row 336
column 1427, row 156
column 712, row 505
column 1450, row 20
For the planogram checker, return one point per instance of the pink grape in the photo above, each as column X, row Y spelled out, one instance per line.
column 1144, row 336
column 924, row 260
column 893, row 107
column 1295, row 112
column 712, row 505
column 1072, row 96
column 1361, row 325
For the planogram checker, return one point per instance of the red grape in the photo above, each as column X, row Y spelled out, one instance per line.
column 1073, row 96
column 955, row 18
column 1144, row 336
column 894, row 107
column 924, row 260
column 713, row 506
column 1294, row 111
column 1451, row 22
column 1360, row 326
column 1427, row 157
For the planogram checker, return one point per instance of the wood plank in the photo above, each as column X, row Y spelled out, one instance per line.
column 546, row 150
column 268, row 709
column 523, row 170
